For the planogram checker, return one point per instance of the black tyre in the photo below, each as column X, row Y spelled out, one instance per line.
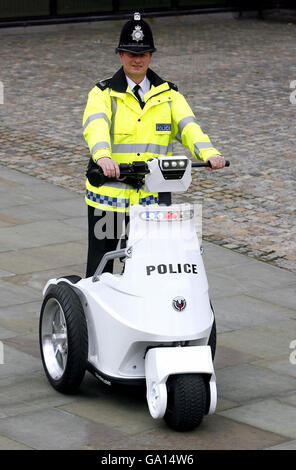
column 186, row 401
column 63, row 338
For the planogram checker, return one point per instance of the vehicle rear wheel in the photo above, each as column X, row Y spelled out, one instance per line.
column 186, row 404
column 63, row 338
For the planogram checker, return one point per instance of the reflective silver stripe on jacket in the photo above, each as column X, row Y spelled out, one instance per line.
column 105, row 145
column 142, row 148
column 183, row 123
column 113, row 112
column 198, row 146
column 92, row 117
column 99, row 145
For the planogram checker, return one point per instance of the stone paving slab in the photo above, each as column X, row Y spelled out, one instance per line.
column 55, row 429
column 36, row 211
column 72, row 207
column 44, row 258
column 11, row 294
column 27, row 343
column 283, row 296
column 235, row 312
column 236, row 383
column 221, row 286
column 37, row 280
column 25, row 394
column 266, row 341
column 289, row 445
column 290, row 399
column 77, row 222
column 6, row 333
column 223, row 404
column 228, row 357
column 7, row 220
column 49, row 210
column 270, row 415
column 216, row 256
column 10, row 444
column 215, row 433
column 23, row 326
column 20, row 311
column 27, row 185
column 283, row 366
column 258, row 275
column 16, row 363
column 32, row 194
column 5, row 274
column 38, row 234
column 5, row 199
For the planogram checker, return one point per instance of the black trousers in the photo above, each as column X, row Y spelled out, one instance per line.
column 105, row 229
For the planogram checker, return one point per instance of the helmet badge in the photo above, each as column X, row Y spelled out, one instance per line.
column 137, row 34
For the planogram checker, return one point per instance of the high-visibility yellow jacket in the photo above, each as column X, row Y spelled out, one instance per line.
column 115, row 126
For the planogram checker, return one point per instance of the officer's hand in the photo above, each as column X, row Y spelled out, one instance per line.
column 109, row 167
column 217, row 161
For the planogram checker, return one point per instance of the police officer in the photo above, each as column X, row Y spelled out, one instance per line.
column 134, row 115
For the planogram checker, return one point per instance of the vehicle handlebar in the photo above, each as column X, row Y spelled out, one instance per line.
column 132, row 173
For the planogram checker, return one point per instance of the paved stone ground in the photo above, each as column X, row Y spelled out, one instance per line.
column 236, row 75
column 43, row 235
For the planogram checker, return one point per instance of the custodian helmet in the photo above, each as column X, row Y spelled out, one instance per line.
column 136, row 36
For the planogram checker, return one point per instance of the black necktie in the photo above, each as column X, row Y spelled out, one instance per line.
column 136, row 93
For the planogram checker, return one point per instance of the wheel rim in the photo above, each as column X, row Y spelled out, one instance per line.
column 54, row 339
column 157, row 399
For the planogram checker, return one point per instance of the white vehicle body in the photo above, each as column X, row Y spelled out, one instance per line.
column 154, row 319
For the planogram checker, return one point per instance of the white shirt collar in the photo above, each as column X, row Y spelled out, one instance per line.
column 144, row 85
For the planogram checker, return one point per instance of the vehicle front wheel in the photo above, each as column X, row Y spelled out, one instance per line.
column 186, row 405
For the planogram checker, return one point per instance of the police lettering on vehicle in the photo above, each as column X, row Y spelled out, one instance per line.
column 178, row 268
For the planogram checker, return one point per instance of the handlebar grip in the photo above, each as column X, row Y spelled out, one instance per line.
column 206, row 164
column 134, row 172
column 96, row 176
